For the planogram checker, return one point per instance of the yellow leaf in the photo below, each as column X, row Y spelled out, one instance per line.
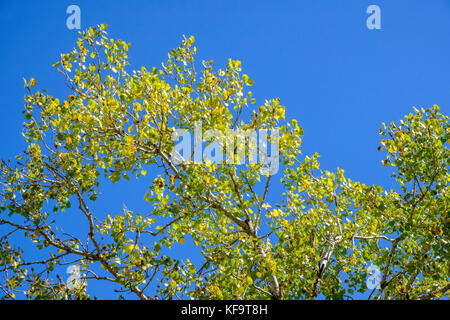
column 276, row 213
column 129, row 248
column 32, row 82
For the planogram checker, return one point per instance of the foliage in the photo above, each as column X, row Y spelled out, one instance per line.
column 319, row 239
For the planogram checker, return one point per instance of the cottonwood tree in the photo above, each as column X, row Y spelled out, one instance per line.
column 314, row 239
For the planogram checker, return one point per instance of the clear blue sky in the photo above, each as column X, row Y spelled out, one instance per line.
column 338, row 78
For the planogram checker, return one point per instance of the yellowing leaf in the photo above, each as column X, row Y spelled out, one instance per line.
column 129, row 249
column 276, row 213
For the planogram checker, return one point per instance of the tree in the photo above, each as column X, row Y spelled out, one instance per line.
column 317, row 241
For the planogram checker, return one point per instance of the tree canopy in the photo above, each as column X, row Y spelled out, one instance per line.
column 316, row 242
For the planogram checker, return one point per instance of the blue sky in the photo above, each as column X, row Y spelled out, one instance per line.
column 337, row 77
